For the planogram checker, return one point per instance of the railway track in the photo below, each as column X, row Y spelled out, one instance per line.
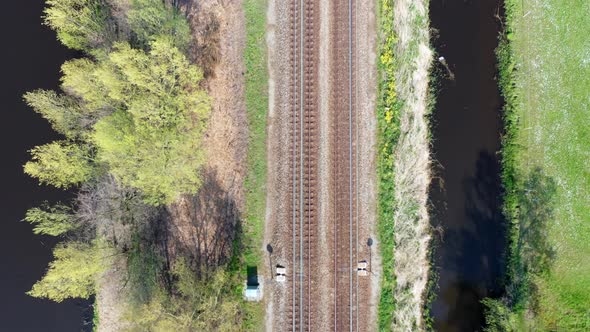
column 304, row 155
column 304, row 144
column 344, row 170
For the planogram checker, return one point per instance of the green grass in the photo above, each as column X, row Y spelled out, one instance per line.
column 546, row 79
column 257, row 108
column 388, row 117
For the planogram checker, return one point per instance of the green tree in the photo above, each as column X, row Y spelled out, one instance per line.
column 210, row 304
column 51, row 220
column 81, row 24
column 72, row 274
column 80, row 80
column 61, row 164
column 153, row 142
column 150, row 19
column 63, row 112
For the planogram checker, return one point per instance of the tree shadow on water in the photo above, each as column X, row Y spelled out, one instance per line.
column 475, row 252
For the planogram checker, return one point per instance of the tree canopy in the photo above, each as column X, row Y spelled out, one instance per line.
column 133, row 114
column 51, row 220
column 64, row 112
column 150, row 19
column 80, row 24
column 72, row 274
column 62, row 164
column 208, row 304
column 140, row 111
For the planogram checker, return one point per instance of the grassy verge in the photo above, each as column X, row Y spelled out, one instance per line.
column 403, row 163
column 545, row 77
column 388, row 118
column 257, row 107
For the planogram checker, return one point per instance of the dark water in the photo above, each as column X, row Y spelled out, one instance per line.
column 30, row 58
column 466, row 131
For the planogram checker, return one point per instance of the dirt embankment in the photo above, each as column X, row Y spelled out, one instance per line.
column 203, row 226
column 411, row 164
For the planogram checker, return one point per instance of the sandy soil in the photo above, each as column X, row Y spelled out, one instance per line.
column 278, row 187
column 366, row 121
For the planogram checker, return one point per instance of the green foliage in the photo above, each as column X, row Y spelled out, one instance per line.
column 207, row 304
column 63, row 112
column 144, row 269
column 142, row 111
column 61, row 164
column 72, row 274
column 82, row 79
column 154, row 142
column 499, row 317
column 150, row 19
column 80, row 24
column 388, row 117
column 256, row 91
column 51, row 220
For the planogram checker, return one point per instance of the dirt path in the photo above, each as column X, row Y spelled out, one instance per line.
column 203, row 225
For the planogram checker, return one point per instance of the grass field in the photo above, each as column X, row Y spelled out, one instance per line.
column 257, row 108
column 550, row 114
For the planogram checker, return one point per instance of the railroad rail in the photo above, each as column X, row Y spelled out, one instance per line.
column 304, row 155
column 344, row 170
column 304, row 144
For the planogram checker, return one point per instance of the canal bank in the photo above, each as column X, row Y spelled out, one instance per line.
column 31, row 59
column 466, row 130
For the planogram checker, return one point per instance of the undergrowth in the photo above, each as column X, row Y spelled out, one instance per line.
column 257, row 108
column 388, row 111
column 403, row 163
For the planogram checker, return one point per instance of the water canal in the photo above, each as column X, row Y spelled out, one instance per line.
column 31, row 58
column 466, row 196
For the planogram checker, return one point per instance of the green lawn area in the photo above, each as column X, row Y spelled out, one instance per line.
column 551, row 47
column 257, row 108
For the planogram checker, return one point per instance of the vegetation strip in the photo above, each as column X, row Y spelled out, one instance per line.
column 403, row 162
column 257, row 109
column 545, row 84
column 388, row 123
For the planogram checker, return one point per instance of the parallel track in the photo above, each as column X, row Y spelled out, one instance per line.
column 303, row 162
column 344, row 172
column 304, row 154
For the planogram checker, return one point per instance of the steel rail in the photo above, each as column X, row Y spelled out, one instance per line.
column 301, row 179
column 350, row 198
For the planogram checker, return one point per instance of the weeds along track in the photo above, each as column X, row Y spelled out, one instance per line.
column 343, row 120
column 304, row 160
